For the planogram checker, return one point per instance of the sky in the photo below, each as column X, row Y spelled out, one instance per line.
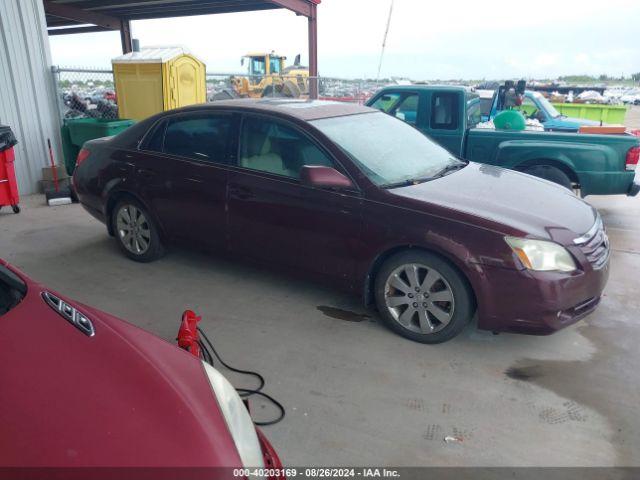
column 478, row 39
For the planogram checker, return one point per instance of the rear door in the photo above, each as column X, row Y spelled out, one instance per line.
column 274, row 217
column 200, row 147
column 154, row 176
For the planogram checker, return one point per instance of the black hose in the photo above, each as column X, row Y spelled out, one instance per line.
column 208, row 351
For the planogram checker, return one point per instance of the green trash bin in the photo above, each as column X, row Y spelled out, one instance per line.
column 76, row 131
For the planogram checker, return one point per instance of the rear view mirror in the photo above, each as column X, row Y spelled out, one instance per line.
column 324, row 177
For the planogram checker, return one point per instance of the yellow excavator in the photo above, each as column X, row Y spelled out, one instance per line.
column 268, row 77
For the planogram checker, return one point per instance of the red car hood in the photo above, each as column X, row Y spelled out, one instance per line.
column 514, row 202
column 121, row 398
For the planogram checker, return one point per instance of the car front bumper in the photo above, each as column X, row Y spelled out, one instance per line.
column 537, row 303
column 271, row 460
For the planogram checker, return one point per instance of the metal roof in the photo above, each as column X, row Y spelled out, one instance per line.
column 58, row 12
column 151, row 55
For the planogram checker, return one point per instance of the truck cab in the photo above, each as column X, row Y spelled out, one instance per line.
column 444, row 113
column 588, row 163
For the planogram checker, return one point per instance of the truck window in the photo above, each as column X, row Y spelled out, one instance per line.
column 528, row 107
column 444, row 111
column 474, row 115
column 386, row 102
column 407, row 109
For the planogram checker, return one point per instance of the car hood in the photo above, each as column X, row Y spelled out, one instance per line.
column 509, row 202
column 121, row 398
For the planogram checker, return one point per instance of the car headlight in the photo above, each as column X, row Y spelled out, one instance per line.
column 238, row 419
column 542, row 255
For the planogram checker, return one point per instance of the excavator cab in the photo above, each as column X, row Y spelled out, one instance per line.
column 261, row 65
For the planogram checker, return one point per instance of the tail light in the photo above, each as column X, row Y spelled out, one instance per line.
column 633, row 155
column 83, row 154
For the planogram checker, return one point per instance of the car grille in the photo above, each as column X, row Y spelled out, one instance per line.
column 595, row 245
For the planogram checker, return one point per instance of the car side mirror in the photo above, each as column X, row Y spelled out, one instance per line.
column 324, row 177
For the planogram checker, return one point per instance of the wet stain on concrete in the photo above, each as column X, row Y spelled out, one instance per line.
column 346, row 315
column 433, row 432
column 570, row 412
column 524, row 373
column 416, row 404
column 616, row 395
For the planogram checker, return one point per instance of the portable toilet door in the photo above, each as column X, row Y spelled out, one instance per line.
column 185, row 78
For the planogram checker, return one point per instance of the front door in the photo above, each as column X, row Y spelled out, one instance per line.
column 274, row 217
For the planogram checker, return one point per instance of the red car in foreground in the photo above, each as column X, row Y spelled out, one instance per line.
column 80, row 388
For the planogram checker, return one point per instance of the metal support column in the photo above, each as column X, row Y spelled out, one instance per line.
column 313, row 52
column 125, row 36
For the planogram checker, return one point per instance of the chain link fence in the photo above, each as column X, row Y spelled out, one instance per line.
column 90, row 92
column 85, row 93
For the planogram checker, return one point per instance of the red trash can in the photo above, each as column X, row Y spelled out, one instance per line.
column 8, row 185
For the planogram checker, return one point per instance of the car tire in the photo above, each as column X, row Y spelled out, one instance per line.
column 553, row 174
column 140, row 240
column 433, row 308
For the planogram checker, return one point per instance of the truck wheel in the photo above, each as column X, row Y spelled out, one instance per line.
column 552, row 174
column 422, row 297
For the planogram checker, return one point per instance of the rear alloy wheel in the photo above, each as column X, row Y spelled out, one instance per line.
column 423, row 298
column 135, row 232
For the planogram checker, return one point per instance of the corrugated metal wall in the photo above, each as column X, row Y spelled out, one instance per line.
column 27, row 98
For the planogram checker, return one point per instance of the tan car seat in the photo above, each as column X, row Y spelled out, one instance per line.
column 262, row 154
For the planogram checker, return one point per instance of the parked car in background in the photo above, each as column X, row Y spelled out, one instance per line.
column 536, row 106
column 319, row 188
column 595, row 164
column 81, row 388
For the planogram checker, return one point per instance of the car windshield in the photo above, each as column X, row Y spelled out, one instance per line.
column 12, row 290
column 550, row 109
column 386, row 149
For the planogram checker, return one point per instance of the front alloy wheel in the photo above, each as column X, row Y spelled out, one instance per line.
column 423, row 297
column 419, row 298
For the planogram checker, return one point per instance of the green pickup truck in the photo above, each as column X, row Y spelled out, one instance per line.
column 594, row 164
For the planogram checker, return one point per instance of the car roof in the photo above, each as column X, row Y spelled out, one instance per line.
column 299, row 108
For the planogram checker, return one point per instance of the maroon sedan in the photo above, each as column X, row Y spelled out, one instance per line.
column 350, row 194
column 81, row 388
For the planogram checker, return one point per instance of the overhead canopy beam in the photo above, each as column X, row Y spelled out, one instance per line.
column 300, row 7
column 69, row 30
column 81, row 16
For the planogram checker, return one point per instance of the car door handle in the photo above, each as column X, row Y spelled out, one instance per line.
column 145, row 172
column 240, row 193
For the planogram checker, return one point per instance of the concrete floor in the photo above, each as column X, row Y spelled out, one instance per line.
column 355, row 393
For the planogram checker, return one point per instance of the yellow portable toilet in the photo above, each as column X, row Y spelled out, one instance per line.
column 156, row 79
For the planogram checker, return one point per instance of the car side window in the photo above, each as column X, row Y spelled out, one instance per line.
column 275, row 148
column 444, row 111
column 155, row 140
column 204, row 137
